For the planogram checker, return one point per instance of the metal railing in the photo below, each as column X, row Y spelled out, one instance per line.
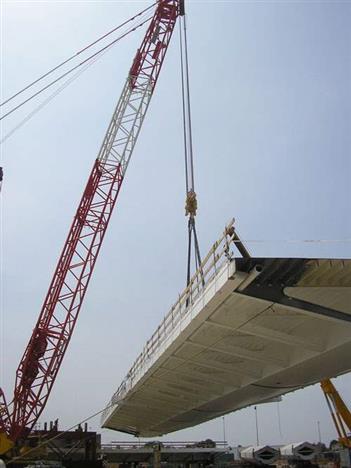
column 219, row 254
column 136, row 445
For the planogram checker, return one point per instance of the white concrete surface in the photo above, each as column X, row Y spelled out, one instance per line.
column 227, row 350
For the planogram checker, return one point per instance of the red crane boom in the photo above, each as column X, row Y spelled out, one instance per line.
column 43, row 356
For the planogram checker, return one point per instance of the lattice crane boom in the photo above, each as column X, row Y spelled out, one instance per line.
column 43, row 356
column 340, row 413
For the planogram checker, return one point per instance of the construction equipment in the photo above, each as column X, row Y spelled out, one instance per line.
column 339, row 411
column 43, row 356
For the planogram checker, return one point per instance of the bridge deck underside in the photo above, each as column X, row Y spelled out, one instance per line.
column 242, row 342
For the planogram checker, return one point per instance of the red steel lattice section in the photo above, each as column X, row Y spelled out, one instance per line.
column 42, row 358
column 43, row 355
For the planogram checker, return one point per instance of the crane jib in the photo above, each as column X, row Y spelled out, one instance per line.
column 43, row 356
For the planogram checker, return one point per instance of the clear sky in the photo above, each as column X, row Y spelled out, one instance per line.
column 271, row 89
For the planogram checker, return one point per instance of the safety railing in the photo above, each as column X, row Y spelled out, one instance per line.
column 219, row 254
column 135, row 445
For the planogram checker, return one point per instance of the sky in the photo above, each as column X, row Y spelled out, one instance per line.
column 270, row 94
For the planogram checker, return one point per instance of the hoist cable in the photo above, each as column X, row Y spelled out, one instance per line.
column 188, row 104
column 184, row 111
column 75, row 55
column 188, row 273
column 191, row 203
column 71, row 70
column 197, row 248
column 198, row 255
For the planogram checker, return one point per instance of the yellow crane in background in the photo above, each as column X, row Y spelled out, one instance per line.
column 339, row 411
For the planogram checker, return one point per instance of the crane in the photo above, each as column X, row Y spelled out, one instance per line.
column 340, row 413
column 52, row 333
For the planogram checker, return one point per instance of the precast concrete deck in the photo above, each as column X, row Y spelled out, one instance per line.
column 246, row 330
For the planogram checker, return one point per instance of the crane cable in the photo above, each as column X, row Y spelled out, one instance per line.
column 75, row 55
column 87, row 63
column 191, row 199
column 71, row 70
column 50, row 98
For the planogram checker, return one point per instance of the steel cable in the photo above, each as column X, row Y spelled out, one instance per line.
column 50, row 98
column 75, row 55
column 184, row 111
column 188, row 104
column 71, row 70
column 188, row 150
